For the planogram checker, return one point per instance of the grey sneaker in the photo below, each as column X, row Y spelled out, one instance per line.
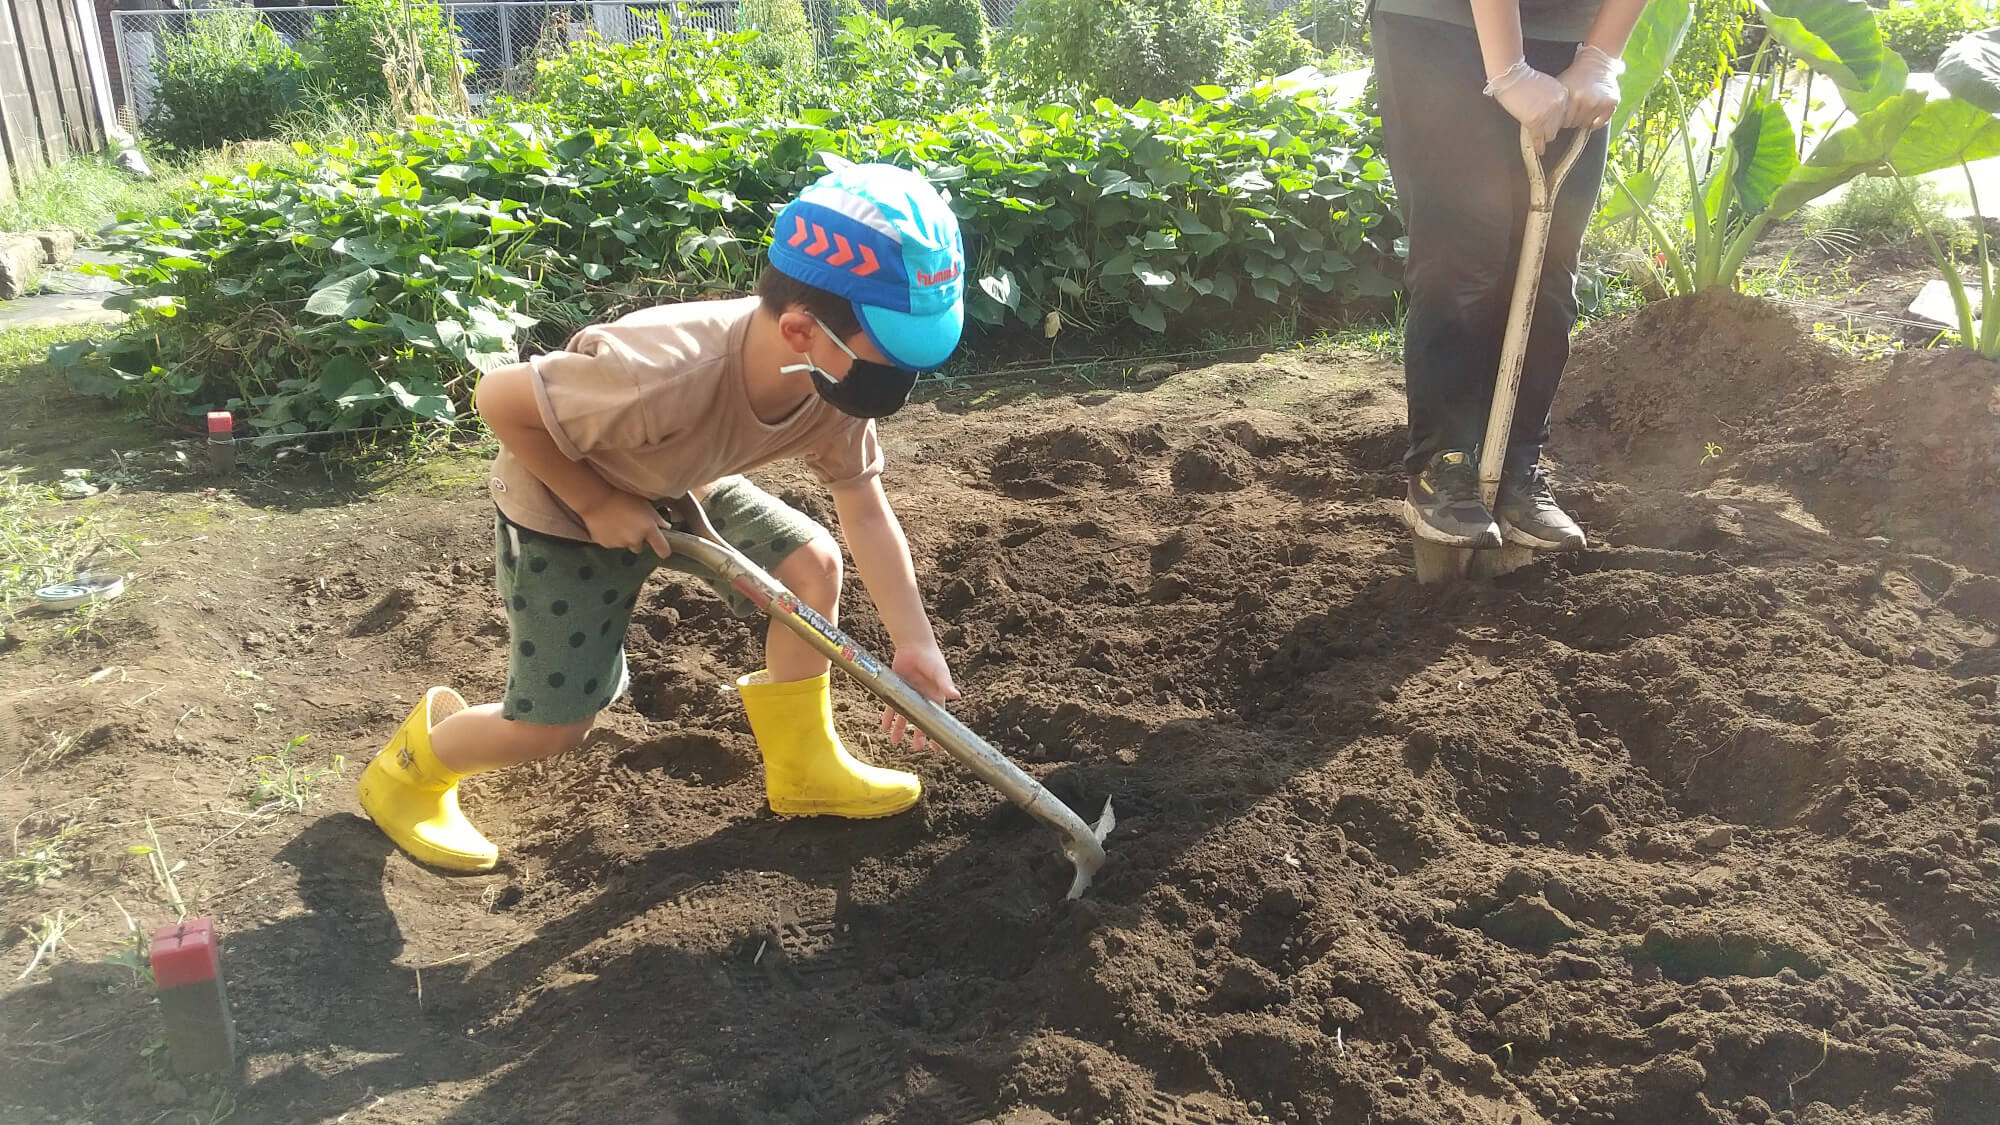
column 1529, row 516
column 1443, row 504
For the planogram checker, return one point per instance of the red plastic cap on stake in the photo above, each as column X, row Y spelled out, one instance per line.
column 185, row 953
column 219, row 422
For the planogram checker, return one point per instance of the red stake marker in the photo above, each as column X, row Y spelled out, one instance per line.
column 221, row 445
column 187, row 973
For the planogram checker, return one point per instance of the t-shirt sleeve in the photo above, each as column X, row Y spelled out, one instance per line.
column 852, row 453
column 589, row 396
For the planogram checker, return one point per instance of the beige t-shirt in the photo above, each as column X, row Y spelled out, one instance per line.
column 655, row 403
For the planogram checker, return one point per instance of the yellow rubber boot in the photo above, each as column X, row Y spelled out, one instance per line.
column 413, row 798
column 807, row 772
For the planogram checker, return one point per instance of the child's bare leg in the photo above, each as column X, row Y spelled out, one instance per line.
column 477, row 739
column 813, row 573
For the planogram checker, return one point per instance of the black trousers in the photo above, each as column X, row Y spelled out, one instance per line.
column 1455, row 156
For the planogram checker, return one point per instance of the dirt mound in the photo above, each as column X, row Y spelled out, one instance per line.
column 1698, row 826
column 1729, row 400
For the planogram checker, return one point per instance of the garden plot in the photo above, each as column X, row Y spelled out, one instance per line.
column 1697, row 826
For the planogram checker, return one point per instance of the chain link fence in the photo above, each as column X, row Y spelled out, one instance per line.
column 501, row 38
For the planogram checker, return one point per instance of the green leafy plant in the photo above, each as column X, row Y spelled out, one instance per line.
column 887, row 68
column 1756, row 175
column 227, row 77
column 1920, row 30
column 1883, row 211
column 284, row 784
column 1334, row 26
column 963, row 20
column 387, row 50
column 784, row 40
column 673, row 81
column 1278, row 48
column 371, row 284
column 1126, row 50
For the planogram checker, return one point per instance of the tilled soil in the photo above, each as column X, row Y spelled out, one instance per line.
column 1697, row 826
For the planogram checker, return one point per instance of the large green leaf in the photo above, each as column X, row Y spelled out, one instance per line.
column 1889, row 81
column 1655, row 40
column 347, row 297
column 1970, row 69
column 1765, row 153
column 1619, row 206
column 1947, row 132
column 1863, row 146
column 1837, row 38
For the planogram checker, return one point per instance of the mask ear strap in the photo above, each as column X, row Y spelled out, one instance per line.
column 837, row 341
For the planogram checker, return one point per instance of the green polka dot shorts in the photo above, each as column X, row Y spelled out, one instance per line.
column 568, row 602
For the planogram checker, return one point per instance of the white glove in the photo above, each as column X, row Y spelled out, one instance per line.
column 1537, row 101
column 1592, row 82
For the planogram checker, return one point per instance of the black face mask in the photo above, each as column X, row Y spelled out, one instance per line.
column 871, row 390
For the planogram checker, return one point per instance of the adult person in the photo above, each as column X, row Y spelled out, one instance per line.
column 1459, row 80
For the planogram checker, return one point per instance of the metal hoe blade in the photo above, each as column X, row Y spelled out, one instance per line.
column 1083, row 843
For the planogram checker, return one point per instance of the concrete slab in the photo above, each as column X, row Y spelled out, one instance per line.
column 1934, row 304
column 55, row 310
column 67, row 296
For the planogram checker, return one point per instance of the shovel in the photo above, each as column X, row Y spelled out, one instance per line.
column 1437, row 562
column 1083, row 843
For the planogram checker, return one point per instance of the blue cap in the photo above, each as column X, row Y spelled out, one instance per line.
column 882, row 237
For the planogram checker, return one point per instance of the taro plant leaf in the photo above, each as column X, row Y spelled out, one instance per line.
column 345, row 297
column 1894, row 77
column 1848, row 152
column 1765, row 153
column 1644, row 188
column 1655, row 40
column 1837, row 38
column 1970, row 69
column 1947, row 132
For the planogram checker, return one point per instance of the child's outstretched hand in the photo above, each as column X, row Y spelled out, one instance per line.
column 631, row 522
column 924, row 669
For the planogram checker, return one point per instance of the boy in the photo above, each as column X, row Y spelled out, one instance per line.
column 863, row 290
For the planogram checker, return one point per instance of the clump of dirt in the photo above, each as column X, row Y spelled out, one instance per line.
column 1697, row 826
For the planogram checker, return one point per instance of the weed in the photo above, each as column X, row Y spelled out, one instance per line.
column 1508, row 1050
column 1879, row 211
column 86, row 194
column 1378, row 340
column 1709, row 452
column 36, row 550
column 1785, row 281
column 132, row 954
column 48, row 937
column 38, row 863
column 283, row 784
column 1855, row 341
column 163, row 872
